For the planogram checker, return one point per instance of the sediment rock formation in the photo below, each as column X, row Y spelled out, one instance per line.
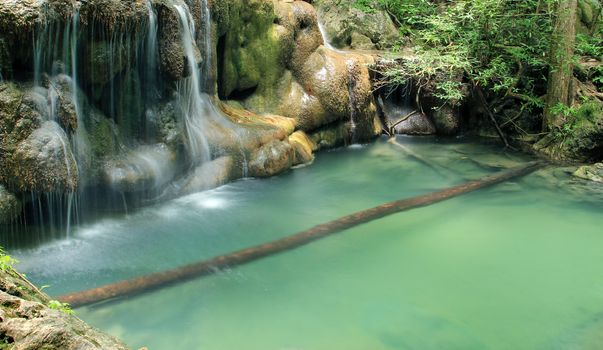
column 115, row 95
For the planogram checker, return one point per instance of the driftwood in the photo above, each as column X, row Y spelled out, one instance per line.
column 207, row 267
column 500, row 133
column 392, row 128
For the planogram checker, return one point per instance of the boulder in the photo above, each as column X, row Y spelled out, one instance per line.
column 303, row 146
column 209, row 175
column 446, row 119
column 44, row 161
column 592, row 172
column 172, row 59
column 10, row 206
column 272, row 158
column 145, row 168
column 35, row 153
column 583, row 143
column 416, row 124
column 347, row 26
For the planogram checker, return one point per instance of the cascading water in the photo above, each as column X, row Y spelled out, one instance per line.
column 192, row 104
column 55, row 48
column 151, row 92
column 325, row 38
column 352, row 100
column 206, row 76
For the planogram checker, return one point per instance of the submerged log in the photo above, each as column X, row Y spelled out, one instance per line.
column 207, row 267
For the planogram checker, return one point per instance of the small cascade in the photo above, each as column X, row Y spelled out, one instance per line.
column 55, row 51
column 323, row 33
column 207, row 60
column 151, row 47
column 150, row 92
column 352, row 101
column 193, row 106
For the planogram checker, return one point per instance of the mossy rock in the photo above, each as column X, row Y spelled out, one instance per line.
column 347, row 26
column 592, row 172
column 10, row 206
column 583, row 143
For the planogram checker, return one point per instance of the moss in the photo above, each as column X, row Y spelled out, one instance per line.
column 581, row 140
column 252, row 49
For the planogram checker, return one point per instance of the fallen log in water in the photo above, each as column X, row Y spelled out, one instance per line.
column 211, row 266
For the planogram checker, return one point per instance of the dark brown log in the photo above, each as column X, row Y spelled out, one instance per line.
column 157, row 280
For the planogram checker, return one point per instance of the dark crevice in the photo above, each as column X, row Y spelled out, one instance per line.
column 241, row 95
column 220, row 51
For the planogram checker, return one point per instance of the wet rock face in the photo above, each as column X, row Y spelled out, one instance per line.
column 44, row 162
column 35, row 152
column 145, row 168
column 446, row 119
column 272, row 158
column 416, row 124
column 590, row 172
column 274, row 62
column 10, row 206
column 171, row 51
column 27, row 323
column 349, row 27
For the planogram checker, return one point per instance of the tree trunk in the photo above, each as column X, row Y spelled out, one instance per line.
column 207, row 267
column 563, row 40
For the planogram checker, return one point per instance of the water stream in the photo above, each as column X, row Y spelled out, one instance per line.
column 516, row 266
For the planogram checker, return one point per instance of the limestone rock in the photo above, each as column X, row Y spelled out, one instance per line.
column 272, row 158
column 10, row 206
column 416, row 124
column 145, row 168
column 304, row 147
column 209, row 175
column 592, row 172
column 446, row 119
column 349, row 27
column 44, row 161
column 171, row 52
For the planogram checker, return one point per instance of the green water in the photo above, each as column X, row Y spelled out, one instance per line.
column 516, row 266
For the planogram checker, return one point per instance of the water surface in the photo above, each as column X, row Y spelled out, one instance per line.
column 516, row 266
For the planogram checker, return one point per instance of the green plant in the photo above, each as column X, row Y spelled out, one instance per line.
column 364, row 6
column 6, row 262
column 63, row 307
column 589, row 45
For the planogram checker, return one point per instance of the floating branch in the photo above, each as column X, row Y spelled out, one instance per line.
column 208, row 267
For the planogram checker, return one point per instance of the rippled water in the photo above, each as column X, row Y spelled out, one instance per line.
column 516, row 266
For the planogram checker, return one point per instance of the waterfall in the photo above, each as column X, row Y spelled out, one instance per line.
column 207, row 45
column 193, row 106
column 352, row 100
column 323, row 33
column 151, row 92
column 151, row 48
column 55, row 51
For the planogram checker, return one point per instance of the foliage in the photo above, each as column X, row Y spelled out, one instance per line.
column 500, row 45
column 6, row 262
column 589, row 45
column 574, row 117
column 63, row 307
